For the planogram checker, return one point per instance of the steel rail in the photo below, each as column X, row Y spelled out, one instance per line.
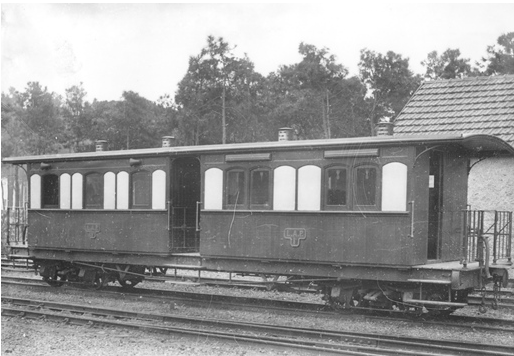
column 360, row 342
column 269, row 304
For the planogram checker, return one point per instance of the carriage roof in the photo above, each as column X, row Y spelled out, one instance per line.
column 481, row 145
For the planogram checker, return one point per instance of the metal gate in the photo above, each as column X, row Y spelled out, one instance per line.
column 15, row 226
column 486, row 231
column 185, row 229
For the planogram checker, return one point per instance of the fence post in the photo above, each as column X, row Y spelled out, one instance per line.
column 465, row 238
column 8, row 226
column 509, row 238
column 495, row 237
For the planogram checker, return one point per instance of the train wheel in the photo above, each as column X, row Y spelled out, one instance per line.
column 54, row 281
column 99, row 282
column 127, row 283
column 439, row 311
column 158, row 271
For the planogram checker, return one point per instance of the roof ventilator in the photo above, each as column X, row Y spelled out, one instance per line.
column 385, row 128
column 101, row 145
column 285, row 134
column 168, row 141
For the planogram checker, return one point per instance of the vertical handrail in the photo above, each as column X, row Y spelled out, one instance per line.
column 8, row 226
column 169, row 215
column 465, row 238
column 25, row 211
column 198, row 203
column 509, row 236
column 411, row 203
column 495, row 237
column 17, row 224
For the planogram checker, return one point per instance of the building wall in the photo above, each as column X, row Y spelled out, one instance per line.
column 491, row 184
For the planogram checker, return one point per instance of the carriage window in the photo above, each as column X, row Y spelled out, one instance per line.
column 50, row 187
column 213, row 189
column 65, row 191
column 260, row 187
column 365, row 186
column 336, row 186
column 159, row 189
column 284, row 188
column 141, row 190
column 35, row 191
column 309, row 188
column 94, row 192
column 394, row 187
column 235, row 187
column 122, row 190
column 76, row 191
column 109, row 190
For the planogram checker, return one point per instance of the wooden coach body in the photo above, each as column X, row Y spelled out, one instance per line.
column 298, row 207
column 390, row 229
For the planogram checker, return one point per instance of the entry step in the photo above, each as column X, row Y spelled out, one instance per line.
column 430, row 281
column 434, row 302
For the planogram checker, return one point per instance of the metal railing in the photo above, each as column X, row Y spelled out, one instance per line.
column 485, row 234
column 184, row 229
column 14, row 225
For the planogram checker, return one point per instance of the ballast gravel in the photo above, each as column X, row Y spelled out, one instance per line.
column 22, row 336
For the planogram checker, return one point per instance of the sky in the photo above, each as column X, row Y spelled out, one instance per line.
column 145, row 48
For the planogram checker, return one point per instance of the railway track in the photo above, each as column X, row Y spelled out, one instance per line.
column 506, row 297
column 195, row 298
column 317, row 340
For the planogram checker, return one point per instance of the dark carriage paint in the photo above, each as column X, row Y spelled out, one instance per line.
column 316, row 237
column 105, row 231
column 347, row 237
column 384, row 237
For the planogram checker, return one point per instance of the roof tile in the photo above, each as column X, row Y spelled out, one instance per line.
column 478, row 105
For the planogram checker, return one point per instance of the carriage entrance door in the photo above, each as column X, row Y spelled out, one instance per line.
column 435, row 201
column 185, row 205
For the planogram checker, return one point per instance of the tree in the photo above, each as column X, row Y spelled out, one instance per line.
column 77, row 117
column 389, row 82
column 446, row 66
column 500, row 57
column 213, row 98
column 314, row 96
column 133, row 122
column 40, row 119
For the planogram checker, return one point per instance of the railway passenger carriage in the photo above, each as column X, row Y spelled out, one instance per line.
column 373, row 222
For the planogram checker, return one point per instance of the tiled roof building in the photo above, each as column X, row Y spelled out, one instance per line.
column 472, row 105
column 482, row 105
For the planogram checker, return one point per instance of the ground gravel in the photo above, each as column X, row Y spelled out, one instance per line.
column 36, row 337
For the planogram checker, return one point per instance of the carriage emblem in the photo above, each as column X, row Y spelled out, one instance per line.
column 92, row 230
column 295, row 235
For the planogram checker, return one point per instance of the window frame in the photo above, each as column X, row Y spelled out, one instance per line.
column 100, row 205
column 269, row 204
column 348, row 186
column 148, row 175
column 56, row 195
column 378, row 185
column 244, row 204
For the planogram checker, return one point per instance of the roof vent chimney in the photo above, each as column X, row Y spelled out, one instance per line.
column 385, row 128
column 101, row 145
column 285, row 134
column 168, row 141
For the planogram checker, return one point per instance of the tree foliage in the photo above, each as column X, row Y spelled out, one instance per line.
column 217, row 96
column 389, row 82
column 32, row 124
column 448, row 65
column 309, row 91
column 222, row 99
column 500, row 57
